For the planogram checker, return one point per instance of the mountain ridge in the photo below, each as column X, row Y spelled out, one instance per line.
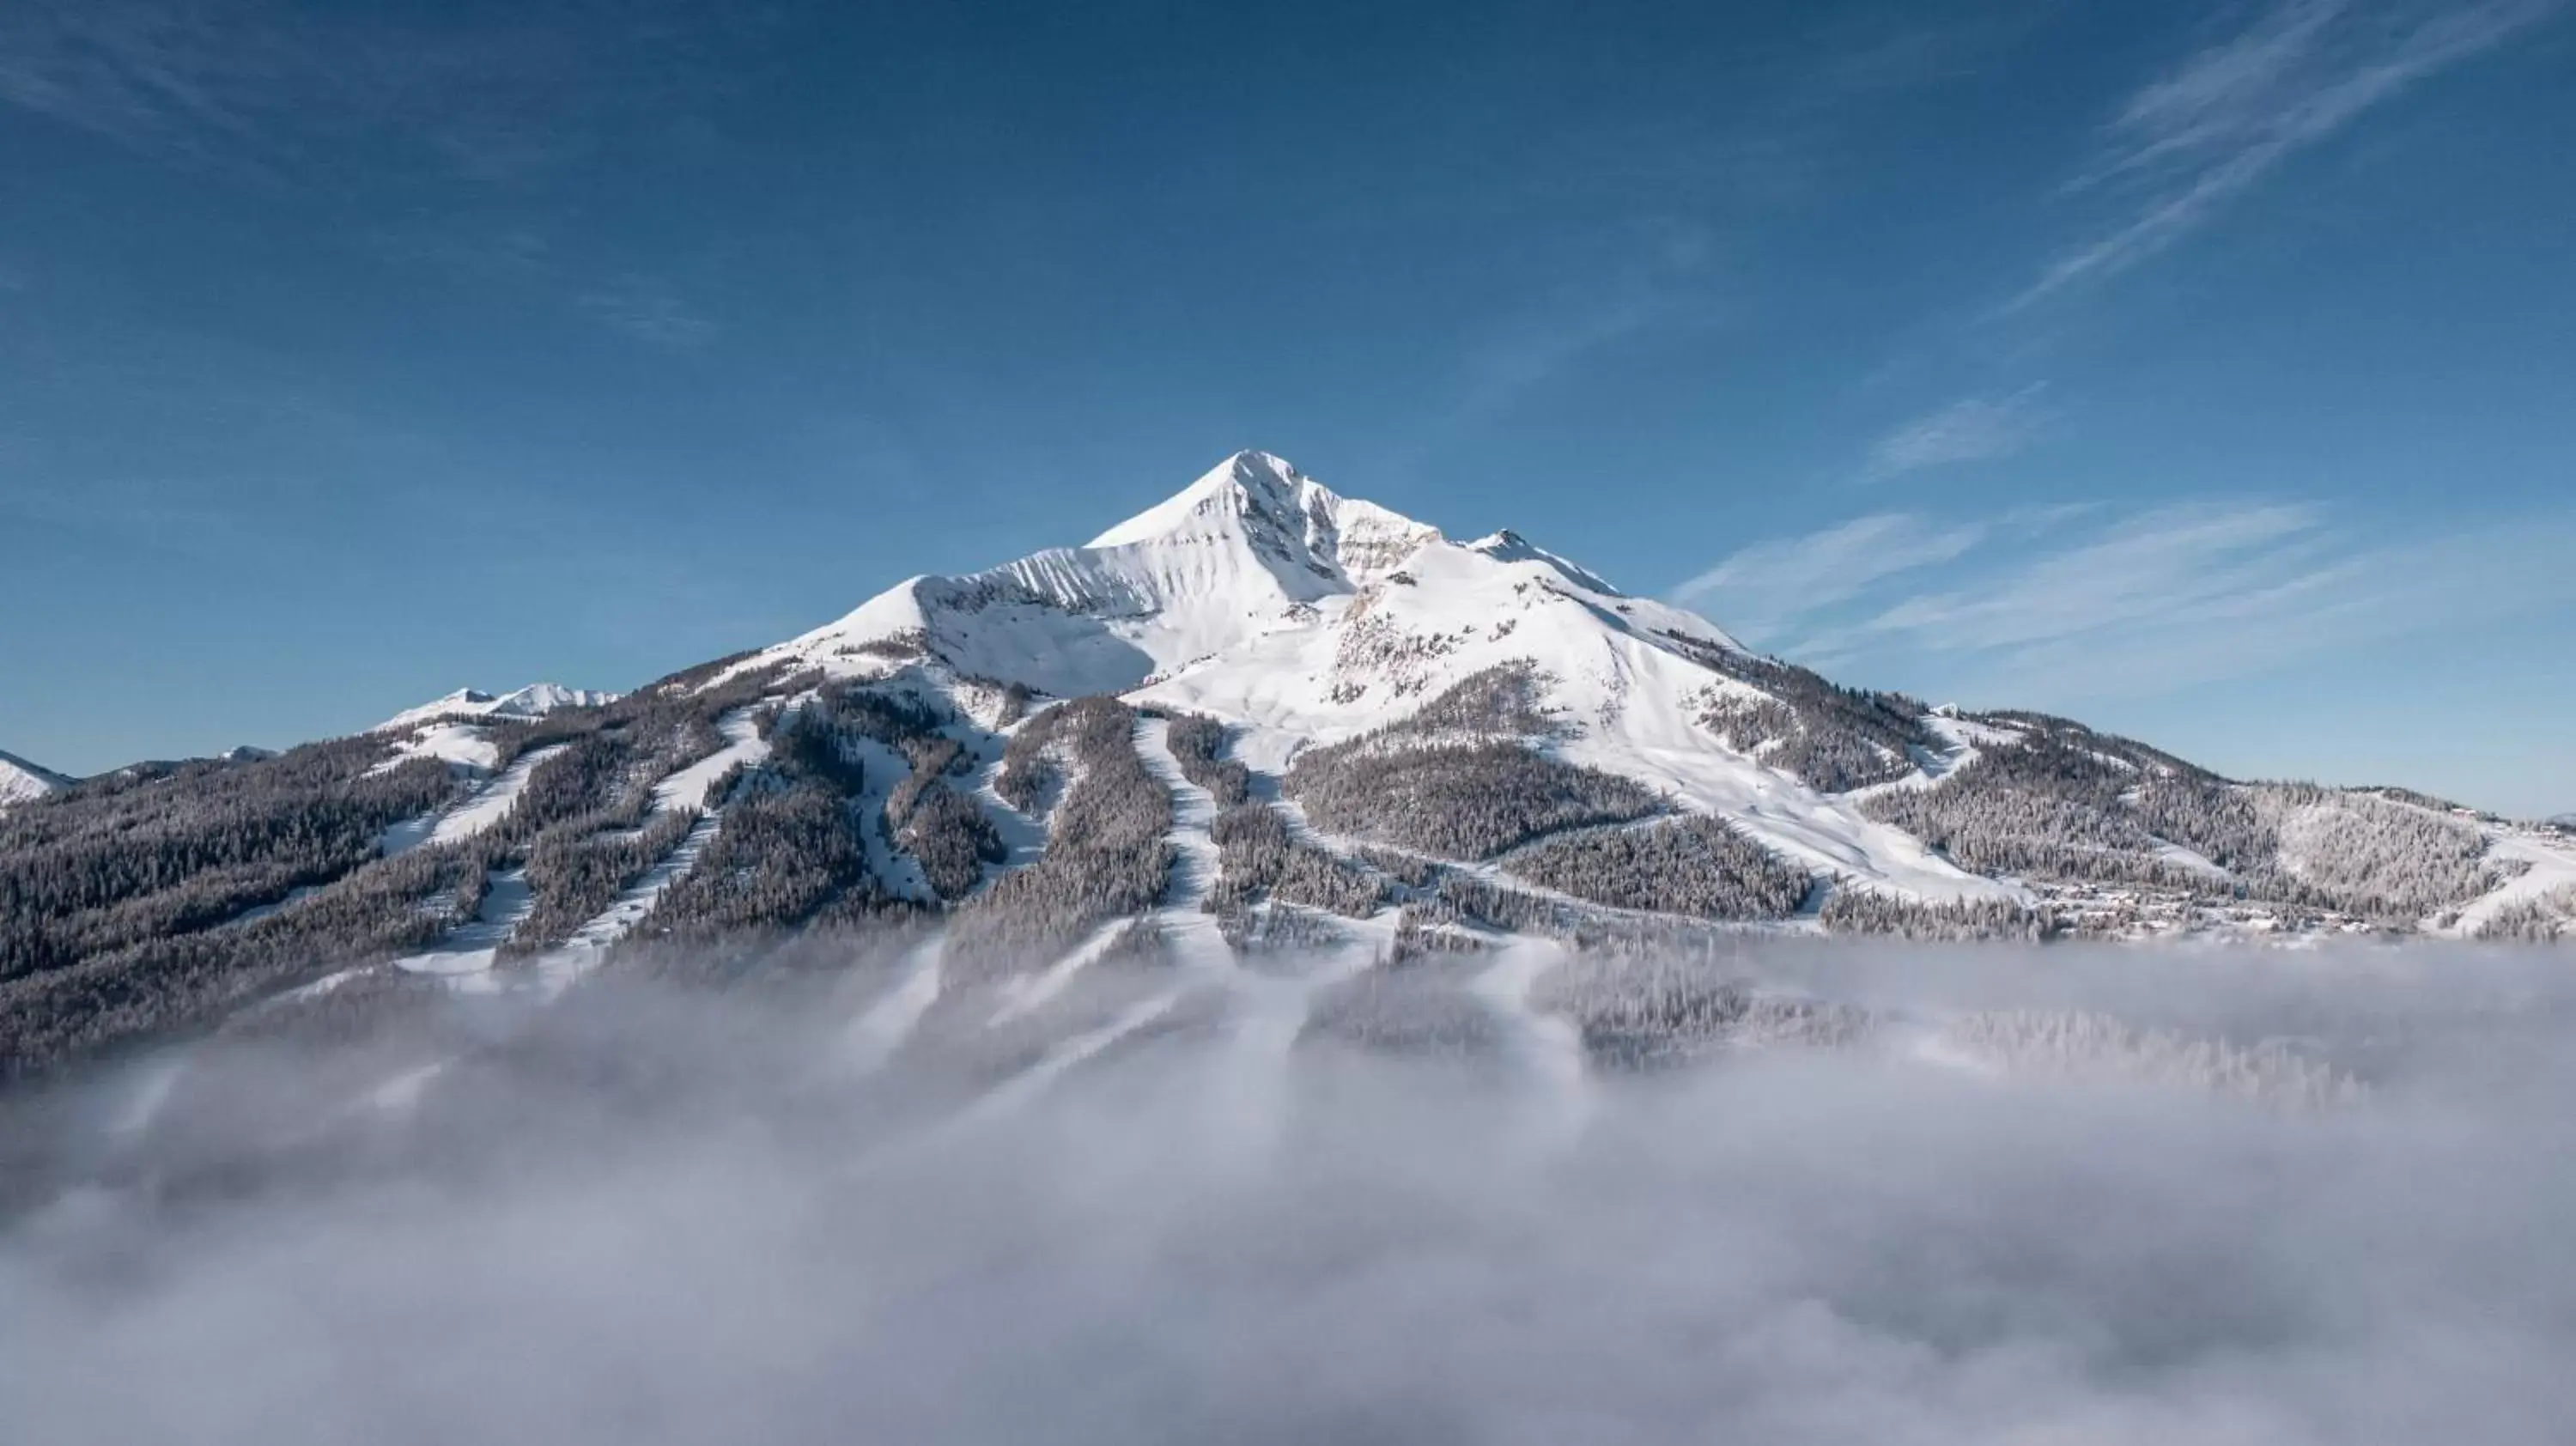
column 22, row 780
column 533, row 701
column 1256, row 716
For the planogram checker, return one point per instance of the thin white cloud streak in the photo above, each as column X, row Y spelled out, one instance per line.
column 2134, row 605
column 2205, row 133
column 2304, row 606
column 1972, row 429
column 1772, row 582
column 2159, row 564
column 280, row 93
column 649, row 311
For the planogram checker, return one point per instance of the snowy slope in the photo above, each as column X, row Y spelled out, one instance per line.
column 2546, row 859
column 448, row 727
column 1262, row 598
column 1249, row 549
column 533, row 701
column 21, row 780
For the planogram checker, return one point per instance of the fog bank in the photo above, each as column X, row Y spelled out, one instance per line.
column 680, row 1215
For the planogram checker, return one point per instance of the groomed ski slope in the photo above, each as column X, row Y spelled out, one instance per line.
column 1188, row 928
column 2548, row 865
column 470, row 953
column 489, row 803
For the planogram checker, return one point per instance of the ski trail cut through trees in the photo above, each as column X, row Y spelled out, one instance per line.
column 471, row 947
column 470, row 968
column 1182, row 916
column 1247, row 1099
column 477, row 811
column 881, row 769
column 1023, row 835
column 557, row 968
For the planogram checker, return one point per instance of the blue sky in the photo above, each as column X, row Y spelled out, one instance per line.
column 2205, row 371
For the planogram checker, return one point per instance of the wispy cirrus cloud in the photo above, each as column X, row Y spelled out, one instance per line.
column 2083, row 602
column 1972, row 429
column 1774, row 584
column 290, row 93
column 647, row 309
column 2163, row 567
column 2206, row 132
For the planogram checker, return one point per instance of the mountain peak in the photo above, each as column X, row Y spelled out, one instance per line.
column 1247, row 482
column 1288, row 518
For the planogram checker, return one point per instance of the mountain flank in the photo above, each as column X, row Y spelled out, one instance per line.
column 1256, row 719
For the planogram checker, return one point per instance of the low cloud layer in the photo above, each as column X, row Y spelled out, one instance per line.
column 679, row 1218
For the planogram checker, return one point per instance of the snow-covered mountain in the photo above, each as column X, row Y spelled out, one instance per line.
column 1301, row 620
column 1257, row 716
column 21, row 780
column 1298, row 617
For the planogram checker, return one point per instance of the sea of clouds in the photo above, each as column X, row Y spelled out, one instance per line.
column 676, row 1215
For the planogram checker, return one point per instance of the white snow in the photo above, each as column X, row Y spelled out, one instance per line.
column 1188, row 928
column 462, row 745
column 1259, row 597
column 471, row 947
column 257, row 912
column 22, row 781
column 2187, row 858
column 446, row 728
column 1632, row 703
column 470, row 951
column 533, row 701
column 1244, row 551
column 2550, row 864
column 684, row 790
column 687, row 787
column 883, row 768
column 1023, row 836
column 486, row 806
